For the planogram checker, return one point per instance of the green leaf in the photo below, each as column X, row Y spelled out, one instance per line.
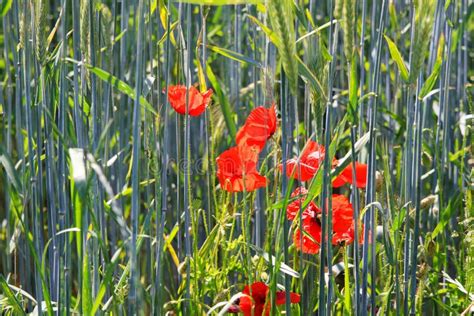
column 347, row 285
column 430, row 82
column 272, row 36
column 10, row 169
column 5, row 6
column 86, row 286
column 221, row 2
column 310, row 77
column 235, row 56
column 109, row 273
column 397, row 57
column 447, row 214
column 11, row 296
column 118, row 84
column 353, row 92
column 225, row 106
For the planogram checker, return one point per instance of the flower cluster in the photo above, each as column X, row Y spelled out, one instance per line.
column 237, row 172
column 237, row 166
column 256, row 301
column 343, row 223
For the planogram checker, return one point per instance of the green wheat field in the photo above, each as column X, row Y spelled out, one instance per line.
column 232, row 157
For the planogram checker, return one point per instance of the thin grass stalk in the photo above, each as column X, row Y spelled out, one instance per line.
column 39, row 14
column 136, row 126
column 236, row 78
column 78, row 115
column 51, row 201
column 97, row 204
column 105, row 22
column 362, row 63
column 124, row 101
column 355, row 203
column 9, row 122
column 17, row 57
column 444, row 185
column 332, row 66
column 206, row 119
column 417, row 188
column 284, row 154
column 326, row 224
column 369, row 219
column 64, row 217
column 164, row 169
column 153, row 28
column 33, row 205
column 188, row 308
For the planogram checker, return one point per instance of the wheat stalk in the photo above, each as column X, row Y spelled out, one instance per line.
column 40, row 30
column 281, row 17
column 348, row 14
column 424, row 10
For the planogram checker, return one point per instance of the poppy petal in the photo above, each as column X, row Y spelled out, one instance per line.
column 309, row 245
column 197, row 102
column 309, row 162
column 343, row 221
column 258, row 128
column 236, row 170
column 295, row 206
column 361, row 174
column 339, row 181
column 281, row 298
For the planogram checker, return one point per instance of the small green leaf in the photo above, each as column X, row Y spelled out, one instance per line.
column 272, row 36
column 308, row 76
column 11, row 296
column 235, row 56
column 447, row 214
column 397, row 57
column 5, row 6
column 10, row 170
column 430, row 82
column 353, row 92
column 225, row 106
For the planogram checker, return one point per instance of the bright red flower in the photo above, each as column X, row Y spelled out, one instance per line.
column 237, row 169
column 311, row 159
column 306, row 244
column 346, row 176
column 342, row 220
column 294, row 207
column 198, row 101
column 343, row 227
column 260, row 125
column 256, row 299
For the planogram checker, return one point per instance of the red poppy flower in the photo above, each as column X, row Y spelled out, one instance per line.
column 343, row 227
column 346, row 176
column 257, row 300
column 198, row 101
column 309, row 162
column 294, row 207
column 308, row 244
column 260, row 125
column 236, row 170
column 342, row 220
